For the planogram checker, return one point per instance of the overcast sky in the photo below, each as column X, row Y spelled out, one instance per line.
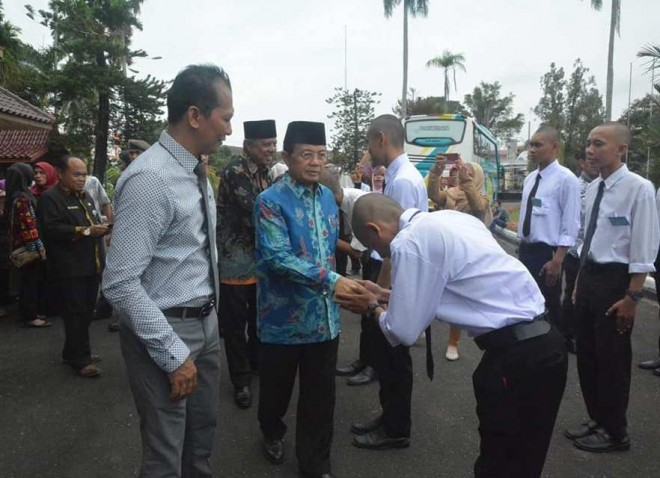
column 286, row 56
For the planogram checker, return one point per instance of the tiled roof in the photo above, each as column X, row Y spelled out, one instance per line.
column 15, row 106
column 23, row 144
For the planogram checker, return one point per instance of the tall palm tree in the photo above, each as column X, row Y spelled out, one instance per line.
column 652, row 52
column 615, row 22
column 414, row 8
column 448, row 61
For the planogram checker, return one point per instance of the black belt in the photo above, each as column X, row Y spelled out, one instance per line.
column 190, row 312
column 536, row 246
column 596, row 267
column 514, row 333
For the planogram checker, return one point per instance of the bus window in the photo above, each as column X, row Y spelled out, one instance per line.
column 435, row 132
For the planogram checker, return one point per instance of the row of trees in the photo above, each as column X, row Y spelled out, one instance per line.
column 83, row 78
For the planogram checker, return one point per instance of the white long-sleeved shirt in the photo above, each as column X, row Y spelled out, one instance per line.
column 555, row 207
column 447, row 266
column 627, row 228
column 351, row 195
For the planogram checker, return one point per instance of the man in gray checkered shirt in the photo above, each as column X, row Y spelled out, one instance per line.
column 160, row 278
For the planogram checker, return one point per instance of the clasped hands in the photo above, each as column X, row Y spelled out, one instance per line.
column 358, row 295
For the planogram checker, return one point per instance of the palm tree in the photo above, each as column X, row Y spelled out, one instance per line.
column 448, row 62
column 414, row 8
column 615, row 22
column 652, row 52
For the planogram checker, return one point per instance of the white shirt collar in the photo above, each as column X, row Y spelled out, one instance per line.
column 407, row 216
column 549, row 169
column 394, row 166
column 614, row 178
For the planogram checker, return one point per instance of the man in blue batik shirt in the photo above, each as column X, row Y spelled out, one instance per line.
column 296, row 222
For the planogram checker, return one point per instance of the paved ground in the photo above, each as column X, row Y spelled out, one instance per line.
column 53, row 424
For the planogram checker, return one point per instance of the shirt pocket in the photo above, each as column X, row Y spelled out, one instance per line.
column 543, row 203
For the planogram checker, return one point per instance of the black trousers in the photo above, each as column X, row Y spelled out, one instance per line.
column 603, row 355
column 238, row 312
column 341, row 260
column 656, row 276
column 534, row 256
column 315, row 364
column 78, row 297
column 518, row 390
column 571, row 268
column 368, row 327
column 33, row 291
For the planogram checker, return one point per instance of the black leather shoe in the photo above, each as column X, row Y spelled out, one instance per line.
column 378, row 440
column 351, row 369
column 599, row 441
column 656, row 372
column 243, row 397
column 650, row 364
column 306, row 474
column 367, row 376
column 274, row 451
column 582, row 430
column 360, row 428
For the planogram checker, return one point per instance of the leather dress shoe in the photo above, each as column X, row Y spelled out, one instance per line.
column 360, row 428
column 243, row 397
column 379, row 440
column 656, row 372
column 599, row 441
column 367, row 376
column 582, row 430
column 650, row 364
column 274, row 451
column 354, row 367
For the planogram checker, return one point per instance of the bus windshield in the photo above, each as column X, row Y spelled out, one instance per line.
column 435, row 132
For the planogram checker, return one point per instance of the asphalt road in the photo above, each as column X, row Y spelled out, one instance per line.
column 53, row 424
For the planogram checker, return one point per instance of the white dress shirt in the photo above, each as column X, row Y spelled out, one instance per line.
column 584, row 181
column 405, row 184
column 347, row 204
column 627, row 228
column 447, row 266
column 555, row 207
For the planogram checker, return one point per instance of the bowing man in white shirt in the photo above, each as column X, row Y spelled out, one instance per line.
column 443, row 266
column 549, row 220
column 620, row 244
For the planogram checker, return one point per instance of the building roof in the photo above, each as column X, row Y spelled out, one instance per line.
column 23, row 145
column 14, row 106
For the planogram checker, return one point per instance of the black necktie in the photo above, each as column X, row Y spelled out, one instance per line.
column 527, row 224
column 591, row 228
column 200, row 171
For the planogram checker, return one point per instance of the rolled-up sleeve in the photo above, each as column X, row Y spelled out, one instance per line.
column 645, row 232
column 143, row 212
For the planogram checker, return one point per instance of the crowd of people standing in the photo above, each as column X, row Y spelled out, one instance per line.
column 259, row 265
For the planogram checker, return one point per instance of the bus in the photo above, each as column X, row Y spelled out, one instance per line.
column 428, row 135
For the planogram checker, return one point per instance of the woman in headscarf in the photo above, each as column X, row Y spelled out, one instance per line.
column 468, row 195
column 45, row 177
column 20, row 208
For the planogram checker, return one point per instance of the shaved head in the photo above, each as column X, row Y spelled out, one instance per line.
column 375, row 208
column 620, row 132
column 390, row 126
column 549, row 132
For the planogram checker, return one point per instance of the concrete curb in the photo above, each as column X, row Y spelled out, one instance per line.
column 512, row 238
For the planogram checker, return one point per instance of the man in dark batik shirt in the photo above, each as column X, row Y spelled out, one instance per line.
column 240, row 184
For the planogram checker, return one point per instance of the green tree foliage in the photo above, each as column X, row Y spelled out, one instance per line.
column 412, row 8
column 92, row 44
column 353, row 112
column 428, row 105
column 449, row 62
column 574, row 106
column 644, row 118
column 138, row 108
column 495, row 112
column 652, row 54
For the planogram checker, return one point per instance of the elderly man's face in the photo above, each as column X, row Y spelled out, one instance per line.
column 306, row 162
column 262, row 151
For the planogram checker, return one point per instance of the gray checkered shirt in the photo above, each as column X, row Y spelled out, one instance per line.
column 158, row 256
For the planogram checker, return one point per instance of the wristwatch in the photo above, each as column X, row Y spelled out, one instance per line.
column 635, row 296
column 87, row 231
column 371, row 310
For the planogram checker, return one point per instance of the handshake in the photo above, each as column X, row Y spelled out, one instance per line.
column 358, row 295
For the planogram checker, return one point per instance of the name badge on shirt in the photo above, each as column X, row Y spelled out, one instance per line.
column 73, row 207
column 619, row 221
column 536, row 202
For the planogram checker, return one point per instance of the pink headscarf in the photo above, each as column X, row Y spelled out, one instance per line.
column 51, row 178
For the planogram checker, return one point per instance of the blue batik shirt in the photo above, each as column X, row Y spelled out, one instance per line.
column 296, row 235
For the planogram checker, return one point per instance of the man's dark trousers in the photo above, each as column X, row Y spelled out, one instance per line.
column 603, row 355
column 368, row 327
column 315, row 363
column 238, row 311
column 571, row 268
column 534, row 255
column 518, row 389
column 78, row 298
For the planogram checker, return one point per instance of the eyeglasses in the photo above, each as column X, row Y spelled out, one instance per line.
column 309, row 155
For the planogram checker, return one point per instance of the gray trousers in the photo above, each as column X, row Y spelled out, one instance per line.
column 177, row 437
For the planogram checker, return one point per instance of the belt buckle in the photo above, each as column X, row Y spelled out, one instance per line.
column 206, row 309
